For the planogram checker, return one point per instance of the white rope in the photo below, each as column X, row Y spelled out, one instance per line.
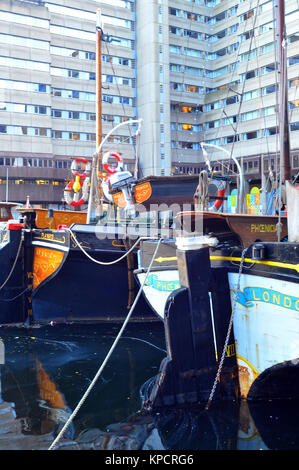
column 54, row 443
column 108, row 262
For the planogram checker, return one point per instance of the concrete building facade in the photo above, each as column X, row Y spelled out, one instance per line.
column 194, row 70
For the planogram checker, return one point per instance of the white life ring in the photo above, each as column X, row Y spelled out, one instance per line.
column 105, row 186
column 74, row 167
column 107, row 168
column 76, row 199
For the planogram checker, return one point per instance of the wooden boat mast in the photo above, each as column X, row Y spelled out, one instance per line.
column 99, row 33
column 95, row 194
column 285, row 167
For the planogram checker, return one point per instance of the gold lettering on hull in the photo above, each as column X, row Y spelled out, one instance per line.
column 45, row 263
column 263, row 228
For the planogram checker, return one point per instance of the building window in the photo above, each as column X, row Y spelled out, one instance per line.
column 248, row 55
column 268, row 69
column 174, row 12
column 247, row 35
column 193, row 89
column 250, row 135
column 229, row 139
column 293, row 38
column 247, row 15
column 269, row 111
column 269, row 89
column 175, row 86
column 250, row 115
column 294, row 126
column 293, row 60
column 295, row 161
column 23, row 19
column 212, row 106
column 174, row 49
column 270, row 131
column 249, row 75
column 213, row 124
column 267, row 48
column 231, row 100
column 24, row 64
column 229, row 120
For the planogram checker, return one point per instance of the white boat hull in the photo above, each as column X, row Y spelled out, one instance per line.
column 266, row 325
column 266, row 319
column 158, row 287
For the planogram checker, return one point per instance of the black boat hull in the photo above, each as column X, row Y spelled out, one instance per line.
column 82, row 288
column 12, row 292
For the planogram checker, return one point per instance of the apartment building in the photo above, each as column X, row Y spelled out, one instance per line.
column 48, row 91
column 194, row 70
column 222, row 66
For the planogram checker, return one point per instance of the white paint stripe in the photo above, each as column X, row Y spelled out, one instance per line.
column 51, row 246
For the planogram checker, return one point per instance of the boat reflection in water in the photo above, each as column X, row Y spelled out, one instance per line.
column 47, row 370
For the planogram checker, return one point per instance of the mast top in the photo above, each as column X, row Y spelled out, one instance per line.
column 99, row 20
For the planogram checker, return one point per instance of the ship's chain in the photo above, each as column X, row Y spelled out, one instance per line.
column 228, row 334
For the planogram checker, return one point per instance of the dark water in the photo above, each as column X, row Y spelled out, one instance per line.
column 47, row 370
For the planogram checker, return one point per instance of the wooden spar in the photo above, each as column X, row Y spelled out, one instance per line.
column 95, row 189
column 99, row 81
column 283, row 94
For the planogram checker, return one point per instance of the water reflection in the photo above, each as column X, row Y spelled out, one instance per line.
column 46, row 371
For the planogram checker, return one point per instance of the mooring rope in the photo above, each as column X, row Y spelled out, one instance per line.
column 60, row 435
column 108, row 263
column 14, row 265
column 227, row 336
column 17, row 296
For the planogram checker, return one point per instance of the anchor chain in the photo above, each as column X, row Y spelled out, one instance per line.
column 227, row 336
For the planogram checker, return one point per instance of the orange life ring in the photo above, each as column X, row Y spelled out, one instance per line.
column 218, row 203
column 220, row 193
column 107, row 168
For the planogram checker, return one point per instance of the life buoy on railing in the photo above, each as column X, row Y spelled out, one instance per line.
column 74, row 198
column 220, row 193
column 75, row 167
column 105, row 186
column 107, row 168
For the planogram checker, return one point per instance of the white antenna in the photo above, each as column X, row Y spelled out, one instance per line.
column 99, row 20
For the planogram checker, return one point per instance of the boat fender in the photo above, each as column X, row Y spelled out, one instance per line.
column 107, row 168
